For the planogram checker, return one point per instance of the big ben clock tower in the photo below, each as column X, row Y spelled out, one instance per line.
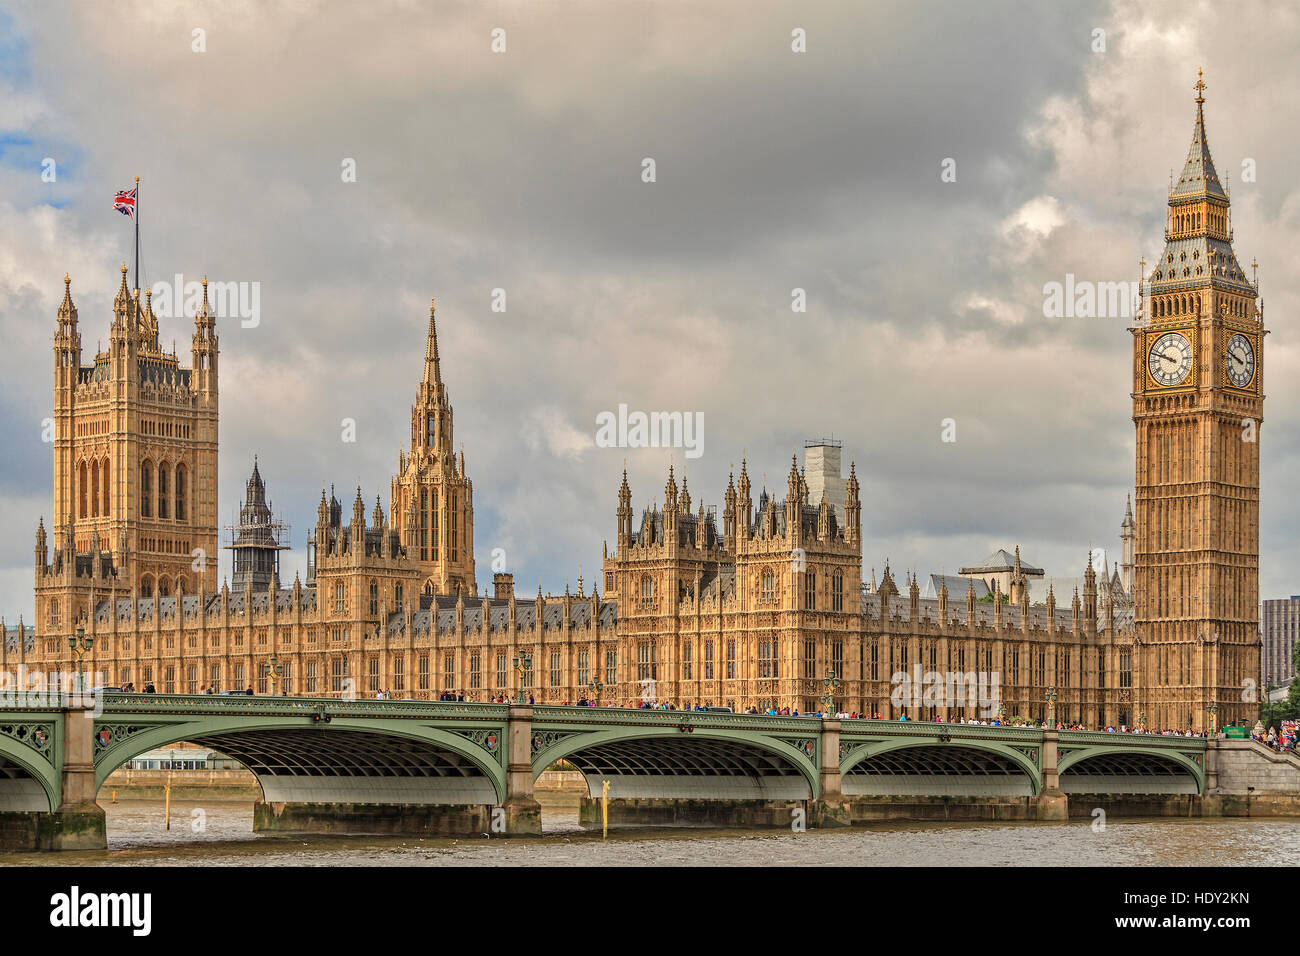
column 1198, row 403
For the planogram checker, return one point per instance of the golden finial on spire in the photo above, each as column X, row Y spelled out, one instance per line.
column 1200, row 86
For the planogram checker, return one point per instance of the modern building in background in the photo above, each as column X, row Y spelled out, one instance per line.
column 1281, row 625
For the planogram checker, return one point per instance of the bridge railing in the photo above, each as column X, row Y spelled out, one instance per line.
column 1093, row 737
column 306, row 706
column 624, row 716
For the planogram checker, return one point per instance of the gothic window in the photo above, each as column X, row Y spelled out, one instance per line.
column 809, row 659
column 311, row 678
column 164, row 588
column 647, row 589
column 501, row 669
column 338, row 674
column 422, row 671
column 474, row 678
column 433, row 524
column 397, row 596
column 810, row 591
column 146, row 586
column 686, row 661
column 1125, row 669
column 94, row 489
column 180, row 492
column 81, row 482
column 584, row 675
column 555, row 668
column 163, row 474
column 424, row 525
column 837, row 592
column 374, row 597
column 54, row 613
column 449, row 671
column 769, row 585
column 339, row 601
column 731, row 658
column 451, row 527
column 611, row 667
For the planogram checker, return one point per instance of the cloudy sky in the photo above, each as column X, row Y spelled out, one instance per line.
column 775, row 170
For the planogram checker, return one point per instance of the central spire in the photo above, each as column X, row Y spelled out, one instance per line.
column 432, row 371
column 1199, row 177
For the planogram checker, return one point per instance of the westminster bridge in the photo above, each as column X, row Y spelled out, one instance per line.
column 330, row 765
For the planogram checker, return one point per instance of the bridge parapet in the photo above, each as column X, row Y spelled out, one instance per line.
column 298, row 706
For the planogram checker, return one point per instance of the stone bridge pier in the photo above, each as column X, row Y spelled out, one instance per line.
column 52, row 806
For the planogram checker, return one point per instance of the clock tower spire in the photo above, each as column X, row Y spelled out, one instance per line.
column 1197, row 408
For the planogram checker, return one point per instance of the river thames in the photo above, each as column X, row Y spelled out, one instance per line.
column 220, row 834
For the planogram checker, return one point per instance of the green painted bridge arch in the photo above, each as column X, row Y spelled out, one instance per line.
column 683, row 755
column 1092, row 762
column 910, row 758
column 32, row 747
column 305, row 750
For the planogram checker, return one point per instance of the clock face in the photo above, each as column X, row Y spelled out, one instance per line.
column 1240, row 360
column 1170, row 360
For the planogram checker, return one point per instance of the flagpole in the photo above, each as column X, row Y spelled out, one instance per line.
column 137, row 232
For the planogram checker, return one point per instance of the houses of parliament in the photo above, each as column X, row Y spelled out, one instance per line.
column 751, row 611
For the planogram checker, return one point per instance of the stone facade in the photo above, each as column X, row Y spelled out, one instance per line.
column 1198, row 401
column 756, row 611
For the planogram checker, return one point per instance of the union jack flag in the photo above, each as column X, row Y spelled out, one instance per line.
column 124, row 202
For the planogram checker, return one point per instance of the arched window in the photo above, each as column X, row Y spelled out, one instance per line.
column 769, row 585
column 94, row 489
column 146, row 586
column 163, row 473
column 81, row 492
column 146, row 490
column 647, row 588
column 180, row 492
column 397, row 596
column 103, row 477
column 374, row 597
column 164, row 588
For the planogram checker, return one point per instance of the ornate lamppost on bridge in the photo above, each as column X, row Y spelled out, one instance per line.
column 80, row 645
column 523, row 665
column 595, row 686
column 1142, row 720
column 273, row 671
column 1051, row 708
column 832, row 684
column 1002, row 713
column 1213, row 709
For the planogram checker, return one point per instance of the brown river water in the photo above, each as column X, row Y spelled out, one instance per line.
column 216, row 833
